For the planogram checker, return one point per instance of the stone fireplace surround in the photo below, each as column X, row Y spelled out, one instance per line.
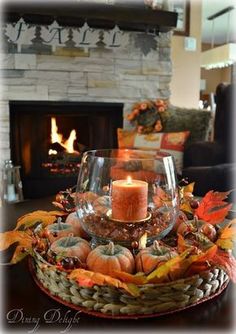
column 94, row 75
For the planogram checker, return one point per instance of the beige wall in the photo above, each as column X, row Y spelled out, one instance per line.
column 185, row 83
column 214, row 76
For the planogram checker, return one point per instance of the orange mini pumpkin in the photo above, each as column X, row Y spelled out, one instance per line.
column 71, row 247
column 73, row 220
column 149, row 258
column 56, row 231
column 107, row 258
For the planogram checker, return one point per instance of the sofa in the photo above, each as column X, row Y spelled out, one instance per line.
column 212, row 164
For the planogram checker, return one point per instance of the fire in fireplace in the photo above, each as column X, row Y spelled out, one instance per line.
column 63, row 154
column 48, row 139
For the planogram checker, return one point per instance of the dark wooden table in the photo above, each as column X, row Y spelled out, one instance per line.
column 25, row 306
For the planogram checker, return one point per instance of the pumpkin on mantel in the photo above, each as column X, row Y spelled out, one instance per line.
column 149, row 258
column 106, row 259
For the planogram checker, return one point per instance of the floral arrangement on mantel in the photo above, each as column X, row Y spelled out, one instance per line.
column 197, row 243
column 145, row 115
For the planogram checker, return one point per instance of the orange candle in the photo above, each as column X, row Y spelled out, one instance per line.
column 129, row 200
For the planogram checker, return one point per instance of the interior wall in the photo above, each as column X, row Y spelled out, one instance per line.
column 185, row 82
column 214, row 77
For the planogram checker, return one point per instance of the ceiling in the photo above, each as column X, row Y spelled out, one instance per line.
column 222, row 24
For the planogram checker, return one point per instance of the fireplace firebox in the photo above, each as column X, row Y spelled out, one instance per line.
column 47, row 140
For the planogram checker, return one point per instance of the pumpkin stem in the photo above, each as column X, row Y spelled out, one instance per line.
column 111, row 248
column 196, row 221
column 156, row 246
column 59, row 220
column 68, row 239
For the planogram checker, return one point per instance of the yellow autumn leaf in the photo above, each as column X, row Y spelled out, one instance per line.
column 39, row 216
column 185, row 207
column 227, row 236
column 10, row 237
column 23, row 239
column 137, row 279
column 225, row 243
column 19, row 255
column 162, row 272
column 188, row 188
column 88, row 278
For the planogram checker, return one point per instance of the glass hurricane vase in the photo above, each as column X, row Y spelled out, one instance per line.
column 123, row 194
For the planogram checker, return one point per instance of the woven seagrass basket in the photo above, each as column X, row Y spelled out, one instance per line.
column 109, row 301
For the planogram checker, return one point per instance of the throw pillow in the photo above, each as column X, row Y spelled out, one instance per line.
column 171, row 142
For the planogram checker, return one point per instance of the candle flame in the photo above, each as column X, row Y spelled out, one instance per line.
column 129, row 180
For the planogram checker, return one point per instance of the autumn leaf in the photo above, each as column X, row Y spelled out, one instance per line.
column 227, row 236
column 187, row 190
column 186, row 193
column 212, row 208
column 201, row 262
column 58, row 205
column 43, row 217
column 163, row 272
column 181, row 244
column 19, row 254
column 137, row 279
column 23, row 239
column 142, row 241
column 10, row 237
column 185, row 207
column 90, row 278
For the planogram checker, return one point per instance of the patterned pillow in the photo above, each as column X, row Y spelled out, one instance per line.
column 171, row 142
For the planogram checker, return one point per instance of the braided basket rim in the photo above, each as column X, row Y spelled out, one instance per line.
column 38, row 259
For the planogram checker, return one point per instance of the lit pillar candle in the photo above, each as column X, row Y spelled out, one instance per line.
column 129, row 200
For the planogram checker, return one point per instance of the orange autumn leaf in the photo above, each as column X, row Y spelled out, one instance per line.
column 23, row 239
column 181, row 244
column 10, row 237
column 227, row 236
column 212, row 208
column 137, row 279
column 201, row 261
column 19, row 254
column 90, row 278
column 39, row 216
column 174, row 265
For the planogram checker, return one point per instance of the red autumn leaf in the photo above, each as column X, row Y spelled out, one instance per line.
column 212, row 208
